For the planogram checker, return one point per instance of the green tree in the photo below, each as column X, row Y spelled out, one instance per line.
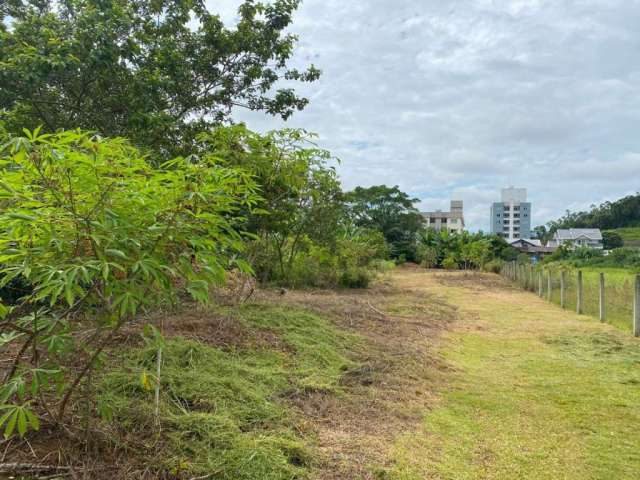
column 475, row 254
column 301, row 198
column 468, row 250
column 390, row 211
column 541, row 233
column 157, row 72
column 612, row 240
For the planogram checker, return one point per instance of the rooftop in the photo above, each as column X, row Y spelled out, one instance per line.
column 576, row 233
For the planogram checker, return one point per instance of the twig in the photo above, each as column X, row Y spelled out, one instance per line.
column 29, row 467
column 376, row 310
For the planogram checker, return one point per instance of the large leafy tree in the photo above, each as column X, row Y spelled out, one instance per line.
column 155, row 71
column 301, row 195
column 391, row 211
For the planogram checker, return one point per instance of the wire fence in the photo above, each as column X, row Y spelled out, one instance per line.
column 613, row 297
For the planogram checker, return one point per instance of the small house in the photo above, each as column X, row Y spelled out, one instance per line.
column 532, row 247
column 577, row 237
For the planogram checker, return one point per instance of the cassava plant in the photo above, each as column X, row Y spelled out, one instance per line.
column 99, row 235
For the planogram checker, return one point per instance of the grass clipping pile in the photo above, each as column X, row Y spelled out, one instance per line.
column 285, row 385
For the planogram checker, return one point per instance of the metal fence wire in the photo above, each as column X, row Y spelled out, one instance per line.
column 613, row 297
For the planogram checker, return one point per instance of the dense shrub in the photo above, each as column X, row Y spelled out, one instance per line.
column 612, row 240
column 494, row 266
column 355, row 277
column 461, row 250
column 100, row 234
column 450, row 263
column 585, row 257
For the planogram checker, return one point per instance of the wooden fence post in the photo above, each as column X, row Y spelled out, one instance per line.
column 602, row 299
column 549, row 285
column 540, row 283
column 562, row 289
column 531, row 281
column 580, row 292
column 636, row 308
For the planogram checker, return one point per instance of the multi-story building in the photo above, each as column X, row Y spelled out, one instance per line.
column 452, row 221
column 511, row 218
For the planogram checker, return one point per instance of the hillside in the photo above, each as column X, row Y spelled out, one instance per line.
column 630, row 236
column 621, row 213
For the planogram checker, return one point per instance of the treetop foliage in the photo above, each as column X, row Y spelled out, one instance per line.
column 621, row 213
column 391, row 211
column 157, row 72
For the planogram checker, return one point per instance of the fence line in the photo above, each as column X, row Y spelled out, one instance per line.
column 601, row 298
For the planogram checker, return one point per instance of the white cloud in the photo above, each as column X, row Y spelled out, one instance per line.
column 463, row 97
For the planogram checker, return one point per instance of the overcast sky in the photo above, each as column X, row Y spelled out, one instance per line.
column 456, row 99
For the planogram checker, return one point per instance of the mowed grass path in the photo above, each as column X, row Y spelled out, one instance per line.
column 536, row 392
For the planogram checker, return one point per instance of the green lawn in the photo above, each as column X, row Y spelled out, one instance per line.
column 537, row 393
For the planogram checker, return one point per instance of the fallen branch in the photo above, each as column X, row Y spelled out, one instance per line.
column 30, row 468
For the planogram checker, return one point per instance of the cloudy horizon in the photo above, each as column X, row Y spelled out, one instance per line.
column 458, row 99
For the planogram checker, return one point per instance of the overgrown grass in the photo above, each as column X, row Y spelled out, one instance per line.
column 223, row 412
column 538, row 394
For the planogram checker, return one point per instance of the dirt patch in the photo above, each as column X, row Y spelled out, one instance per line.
column 219, row 329
column 388, row 394
column 474, row 280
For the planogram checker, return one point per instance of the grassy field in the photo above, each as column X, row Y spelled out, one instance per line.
column 427, row 375
column 619, row 288
column 537, row 393
column 630, row 236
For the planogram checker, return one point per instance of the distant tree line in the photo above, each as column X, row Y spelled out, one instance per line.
column 621, row 213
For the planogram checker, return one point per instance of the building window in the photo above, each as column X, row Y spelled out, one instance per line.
column 526, row 215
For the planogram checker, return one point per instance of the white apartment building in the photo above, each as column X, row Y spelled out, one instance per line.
column 511, row 218
column 452, row 221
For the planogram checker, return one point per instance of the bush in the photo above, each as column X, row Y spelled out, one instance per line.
column 494, row 266
column 450, row 263
column 428, row 257
column 612, row 240
column 100, row 234
column 382, row 266
column 355, row 278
